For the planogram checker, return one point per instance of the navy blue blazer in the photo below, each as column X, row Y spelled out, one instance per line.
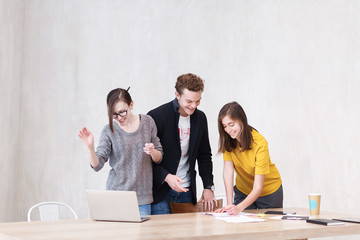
column 166, row 118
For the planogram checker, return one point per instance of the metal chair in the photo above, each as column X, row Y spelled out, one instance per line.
column 189, row 207
column 49, row 211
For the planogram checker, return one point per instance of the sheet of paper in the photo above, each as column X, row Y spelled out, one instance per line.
column 276, row 217
column 225, row 214
column 239, row 218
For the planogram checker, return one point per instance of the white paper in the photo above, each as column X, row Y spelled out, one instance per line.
column 276, row 217
column 225, row 214
column 239, row 218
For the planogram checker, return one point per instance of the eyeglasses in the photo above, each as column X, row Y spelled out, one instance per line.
column 120, row 114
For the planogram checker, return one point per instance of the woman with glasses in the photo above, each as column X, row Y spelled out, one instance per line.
column 130, row 144
column 245, row 151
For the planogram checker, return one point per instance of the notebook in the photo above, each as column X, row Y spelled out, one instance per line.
column 114, row 206
column 294, row 217
column 327, row 222
column 348, row 219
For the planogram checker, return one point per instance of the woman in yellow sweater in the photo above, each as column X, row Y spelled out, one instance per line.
column 245, row 151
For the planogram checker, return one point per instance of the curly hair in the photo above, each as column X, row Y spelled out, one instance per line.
column 189, row 81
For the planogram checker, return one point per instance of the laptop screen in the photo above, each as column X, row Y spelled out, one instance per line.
column 107, row 205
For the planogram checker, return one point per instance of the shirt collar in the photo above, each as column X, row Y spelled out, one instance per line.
column 176, row 105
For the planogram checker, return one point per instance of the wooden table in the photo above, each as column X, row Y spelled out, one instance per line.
column 177, row 226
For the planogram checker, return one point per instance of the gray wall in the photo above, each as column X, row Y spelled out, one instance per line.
column 293, row 65
column 11, row 26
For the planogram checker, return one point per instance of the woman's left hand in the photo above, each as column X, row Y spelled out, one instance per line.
column 232, row 209
column 149, row 148
column 220, row 210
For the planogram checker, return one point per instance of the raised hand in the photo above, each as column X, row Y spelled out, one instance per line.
column 87, row 137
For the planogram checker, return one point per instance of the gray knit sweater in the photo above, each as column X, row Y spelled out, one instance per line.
column 131, row 166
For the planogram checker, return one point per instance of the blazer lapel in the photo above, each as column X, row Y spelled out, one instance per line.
column 194, row 125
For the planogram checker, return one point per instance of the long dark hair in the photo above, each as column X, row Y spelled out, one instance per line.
column 236, row 113
column 114, row 96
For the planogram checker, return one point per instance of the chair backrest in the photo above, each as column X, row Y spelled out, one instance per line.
column 49, row 211
column 189, row 207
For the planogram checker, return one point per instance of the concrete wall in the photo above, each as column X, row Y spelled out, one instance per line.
column 293, row 65
column 11, row 28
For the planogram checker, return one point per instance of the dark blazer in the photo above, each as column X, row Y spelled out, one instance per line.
column 166, row 119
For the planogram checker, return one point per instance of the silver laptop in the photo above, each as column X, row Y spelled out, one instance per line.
column 114, row 206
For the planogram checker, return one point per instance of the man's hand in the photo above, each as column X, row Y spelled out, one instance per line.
column 174, row 182
column 209, row 200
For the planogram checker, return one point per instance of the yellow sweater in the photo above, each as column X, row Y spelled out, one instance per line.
column 254, row 161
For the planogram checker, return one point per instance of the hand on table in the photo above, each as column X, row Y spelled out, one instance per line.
column 230, row 209
column 209, row 200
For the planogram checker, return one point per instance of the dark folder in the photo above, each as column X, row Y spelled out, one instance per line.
column 327, row 222
column 348, row 219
